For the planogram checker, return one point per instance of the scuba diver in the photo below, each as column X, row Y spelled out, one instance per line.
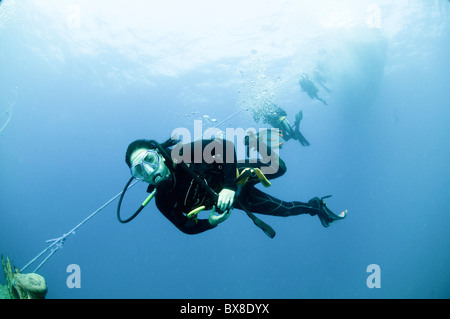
column 276, row 117
column 308, row 86
column 215, row 182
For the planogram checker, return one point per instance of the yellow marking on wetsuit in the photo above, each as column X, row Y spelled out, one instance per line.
column 193, row 213
column 262, row 178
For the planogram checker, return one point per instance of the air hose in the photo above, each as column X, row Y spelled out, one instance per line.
column 144, row 203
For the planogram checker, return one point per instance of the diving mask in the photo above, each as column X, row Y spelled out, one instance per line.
column 146, row 165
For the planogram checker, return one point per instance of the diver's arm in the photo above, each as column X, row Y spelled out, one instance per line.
column 223, row 154
column 226, row 195
column 229, row 166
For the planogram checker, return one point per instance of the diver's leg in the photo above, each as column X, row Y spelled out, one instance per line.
column 286, row 130
column 326, row 216
column 258, row 164
column 298, row 135
column 322, row 100
column 267, row 158
column 259, row 202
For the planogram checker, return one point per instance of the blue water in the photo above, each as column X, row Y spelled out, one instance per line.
column 91, row 78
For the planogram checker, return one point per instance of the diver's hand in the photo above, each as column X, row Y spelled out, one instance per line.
column 215, row 220
column 226, row 199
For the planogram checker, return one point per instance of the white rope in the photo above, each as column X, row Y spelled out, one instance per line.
column 8, row 111
column 57, row 243
column 232, row 115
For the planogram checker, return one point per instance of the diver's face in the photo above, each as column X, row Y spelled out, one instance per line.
column 148, row 166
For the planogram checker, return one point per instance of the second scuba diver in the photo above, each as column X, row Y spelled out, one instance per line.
column 276, row 117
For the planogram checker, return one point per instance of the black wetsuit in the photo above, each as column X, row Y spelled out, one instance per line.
column 178, row 197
